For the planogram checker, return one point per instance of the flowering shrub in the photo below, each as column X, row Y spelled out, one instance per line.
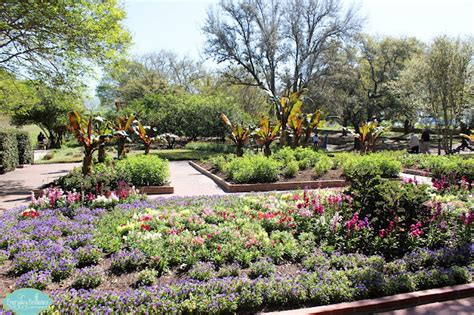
column 147, row 277
column 326, row 246
column 87, row 278
column 263, row 267
column 127, row 260
column 34, row 279
column 202, row 271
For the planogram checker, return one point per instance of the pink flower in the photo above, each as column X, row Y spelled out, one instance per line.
column 467, row 219
column 415, row 230
column 198, row 240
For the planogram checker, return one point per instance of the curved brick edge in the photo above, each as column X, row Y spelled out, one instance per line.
column 388, row 303
column 227, row 187
column 156, row 190
column 417, row 172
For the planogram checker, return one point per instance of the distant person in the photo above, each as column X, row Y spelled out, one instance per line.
column 316, row 141
column 414, row 145
column 467, row 140
column 425, row 141
column 41, row 141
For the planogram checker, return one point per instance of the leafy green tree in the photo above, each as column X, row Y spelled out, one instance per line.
column 58, row 39
column 439, row 83
column 49, row 112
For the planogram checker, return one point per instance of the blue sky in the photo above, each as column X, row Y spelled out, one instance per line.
column 176, row 25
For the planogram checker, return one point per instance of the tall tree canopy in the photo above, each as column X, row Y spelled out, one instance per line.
column 278, row 44
column 58, row 39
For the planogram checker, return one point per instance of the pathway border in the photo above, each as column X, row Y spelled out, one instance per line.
column 388, row 303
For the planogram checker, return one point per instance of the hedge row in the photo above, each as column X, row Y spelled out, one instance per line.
column 15, row 149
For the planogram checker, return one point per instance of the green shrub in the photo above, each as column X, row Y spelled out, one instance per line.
column 147, row 277
column 263, row 267
column 323, row 165
column 252, row 169
column 87, row 278
column 218, row 162
column 25, row 149
column 284, row 155
column 103, row 178
column 8, row 151
column 143, row 170
column 369, row 166
column 291, row 169
column 210, row 147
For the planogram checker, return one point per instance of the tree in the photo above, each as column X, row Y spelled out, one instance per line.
column 439, row 82
column 49, row 112
column 57, row 39
column 277, row 44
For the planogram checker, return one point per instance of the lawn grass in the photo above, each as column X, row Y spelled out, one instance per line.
column 73, row 155
column 32, row 130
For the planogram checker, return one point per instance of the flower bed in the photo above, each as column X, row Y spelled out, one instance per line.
column 238, row 253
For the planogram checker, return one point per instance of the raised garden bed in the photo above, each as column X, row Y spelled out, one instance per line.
column 283, row 184
column 417, row 172
column 156, row 190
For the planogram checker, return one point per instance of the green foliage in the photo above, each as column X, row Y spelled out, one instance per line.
column 210, row 147
column 323, row 165
column 146, row 277
column 291, row 169
column 25, row 149
column 252, row 169
column 452, row 167
column 8, row 151
column 187, row 115
column 143, row 170
column 55, row 40
column 103, row 178
column 366, row 167
column 87, row 278
column 263, row 267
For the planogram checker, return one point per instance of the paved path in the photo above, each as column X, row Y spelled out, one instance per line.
column 16, row 186
column 454, row 307
column 187, row 181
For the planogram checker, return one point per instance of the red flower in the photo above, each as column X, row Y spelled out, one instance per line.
column 145, row 227
column 219, row 248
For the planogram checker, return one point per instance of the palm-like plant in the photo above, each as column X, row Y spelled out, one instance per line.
column 295, row 123
column 266, row 133
column 310, row 123
column 284, row 106
column 122, row 126
column 369, row 134
column 238, row 134
column 142, row 132
column 90, row 138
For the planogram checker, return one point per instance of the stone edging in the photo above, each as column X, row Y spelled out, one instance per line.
column 417, row 172
column 228, row 187
column 388, row 303
column 156, row 190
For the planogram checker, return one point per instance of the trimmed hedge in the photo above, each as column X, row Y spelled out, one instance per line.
column 25, row 149
column 8, row 151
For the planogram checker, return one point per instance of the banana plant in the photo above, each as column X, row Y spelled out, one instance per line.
column 104, row 127
column 122, row 126
column 90, row 138
column 284, row 106
column 295, row 124
column 265, row 134
column 369, row 134
column 237, row 134
column 311, row 122
column 142, row 132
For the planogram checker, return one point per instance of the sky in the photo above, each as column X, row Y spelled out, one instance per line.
column 176, row 25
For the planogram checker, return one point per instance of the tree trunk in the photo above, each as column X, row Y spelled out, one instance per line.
column 121, row 149
column 87, row 165
column 101, row 153
column 239, row 151
column 267, row 151
column 147, row 148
